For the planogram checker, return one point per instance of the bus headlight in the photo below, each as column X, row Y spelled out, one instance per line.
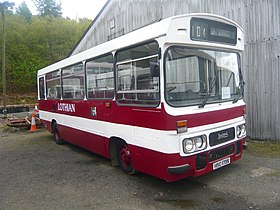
column 188, row 145
column 194, row 144
column 241, row 131
column 200, row 142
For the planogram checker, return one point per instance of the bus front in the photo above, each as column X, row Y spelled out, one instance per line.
column 203, row 91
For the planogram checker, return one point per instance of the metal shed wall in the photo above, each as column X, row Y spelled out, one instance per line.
column 260, row 20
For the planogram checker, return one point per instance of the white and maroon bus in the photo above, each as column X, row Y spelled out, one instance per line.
column 165, row 100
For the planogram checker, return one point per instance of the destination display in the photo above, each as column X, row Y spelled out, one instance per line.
column 212, row 31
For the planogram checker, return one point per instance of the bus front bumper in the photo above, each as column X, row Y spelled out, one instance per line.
column 179, row 169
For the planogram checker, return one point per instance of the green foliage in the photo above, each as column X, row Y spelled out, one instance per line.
column 6, row 5
column 33, row 45
column 48, row 8
column 24, row 11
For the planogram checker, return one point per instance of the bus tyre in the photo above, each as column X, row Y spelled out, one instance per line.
column 56, row 134
column 124, row 158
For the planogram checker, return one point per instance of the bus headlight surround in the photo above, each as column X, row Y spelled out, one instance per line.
column 194, row 144
column 241, row 131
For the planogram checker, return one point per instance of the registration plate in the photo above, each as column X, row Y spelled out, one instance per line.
column 221, row 163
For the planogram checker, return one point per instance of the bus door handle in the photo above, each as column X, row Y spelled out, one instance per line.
column 54, row 107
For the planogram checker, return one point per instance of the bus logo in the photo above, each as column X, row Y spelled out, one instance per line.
column 66, row 107
column 223, row 135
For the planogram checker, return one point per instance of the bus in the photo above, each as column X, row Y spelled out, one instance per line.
column 165, row 100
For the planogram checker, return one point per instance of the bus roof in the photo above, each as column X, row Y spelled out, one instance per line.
column 146, row 33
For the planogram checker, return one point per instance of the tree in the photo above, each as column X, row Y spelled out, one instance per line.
column 6, row 5
column 32, row 46
column 48, row 8
column 24, row 11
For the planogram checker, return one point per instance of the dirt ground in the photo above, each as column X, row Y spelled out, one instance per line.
column 35, row 173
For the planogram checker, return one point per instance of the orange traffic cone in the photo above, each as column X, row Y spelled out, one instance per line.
column 33, row 123
column 36, row 109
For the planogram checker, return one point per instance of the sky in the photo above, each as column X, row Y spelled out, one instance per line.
column 73, row 9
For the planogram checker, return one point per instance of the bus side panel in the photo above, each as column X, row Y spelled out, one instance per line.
column 47, row 105
column 91, row 142
column 47, row 125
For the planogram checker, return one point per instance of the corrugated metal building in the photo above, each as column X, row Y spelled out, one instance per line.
column 260, row 20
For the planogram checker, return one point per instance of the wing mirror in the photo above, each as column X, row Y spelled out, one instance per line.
column 154, row 69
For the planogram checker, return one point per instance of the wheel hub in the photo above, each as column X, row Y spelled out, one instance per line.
column 125, row 155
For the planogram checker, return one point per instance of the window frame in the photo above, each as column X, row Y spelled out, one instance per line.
column 40, row 87
column 52, row 79
column 133, row 102
column 217, row 81
column 113, row 72
column 76, row 75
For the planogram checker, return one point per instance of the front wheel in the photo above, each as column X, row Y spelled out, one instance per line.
column 56, row 134
column 124, row 157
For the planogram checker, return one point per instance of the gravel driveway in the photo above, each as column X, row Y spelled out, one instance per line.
column 35, row 173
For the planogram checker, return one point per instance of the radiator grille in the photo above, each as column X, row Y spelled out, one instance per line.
column 221, row 152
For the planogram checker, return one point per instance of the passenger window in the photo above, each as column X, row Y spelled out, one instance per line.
column 53, row 85
column 73, row 82
column 100, row 78
column 41, row 88
column 135, row 83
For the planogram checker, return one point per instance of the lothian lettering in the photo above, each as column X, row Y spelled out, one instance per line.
column 66, row 107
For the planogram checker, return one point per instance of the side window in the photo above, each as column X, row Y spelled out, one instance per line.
column 135, row 82
column 73, row 82
column 41, row 88
column 100, row 78
column 53, row 85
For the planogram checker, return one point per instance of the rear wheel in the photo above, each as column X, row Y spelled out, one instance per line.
column 56, row 134
column 124, row 157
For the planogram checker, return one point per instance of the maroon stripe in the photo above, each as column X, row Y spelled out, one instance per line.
column 140, row 116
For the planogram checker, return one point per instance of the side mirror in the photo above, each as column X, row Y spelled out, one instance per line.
column 154, row 69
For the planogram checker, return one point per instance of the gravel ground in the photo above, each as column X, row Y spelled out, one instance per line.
column 35, row 173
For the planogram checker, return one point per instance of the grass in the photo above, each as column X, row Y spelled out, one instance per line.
column 264, row 148
column 274, row 174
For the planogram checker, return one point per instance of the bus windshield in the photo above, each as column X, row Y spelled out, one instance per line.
column 199, row 76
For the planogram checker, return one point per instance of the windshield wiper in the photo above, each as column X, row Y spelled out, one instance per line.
column 235, row 100
column 204, row 102
column 242, row 82
column 209, row 93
